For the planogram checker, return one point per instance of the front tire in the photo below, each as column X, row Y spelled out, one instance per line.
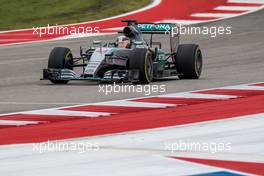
column 189, row 61
column 142, row 60
column 60, row 58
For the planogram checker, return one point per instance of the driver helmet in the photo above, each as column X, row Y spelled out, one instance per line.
column 123, row 42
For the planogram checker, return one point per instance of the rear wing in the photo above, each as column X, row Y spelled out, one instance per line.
column 160, row 28
column 151, row 28
column 134, row 28
column 155, row 28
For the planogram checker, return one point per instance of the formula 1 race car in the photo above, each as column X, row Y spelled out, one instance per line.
column 129, row 59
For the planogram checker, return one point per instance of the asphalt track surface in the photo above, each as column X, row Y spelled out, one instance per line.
column 228, row 60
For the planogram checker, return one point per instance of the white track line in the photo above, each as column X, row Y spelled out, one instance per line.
column 114, row 29
column 197, row 95
column 126, row 103
column 67, row 113
column 237, row 8
column 17, row 122
column 247, row 1
column 73, row 36
column 183, row 22
column 220, row 15
column 244, row 87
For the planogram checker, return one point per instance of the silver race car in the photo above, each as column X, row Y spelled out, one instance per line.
column 130, row 58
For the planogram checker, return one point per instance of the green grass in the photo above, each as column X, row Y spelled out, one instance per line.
column 17, row 14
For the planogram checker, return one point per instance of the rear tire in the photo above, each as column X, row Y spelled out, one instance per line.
column 142, row 60
column 189, row 61
column 60, row 58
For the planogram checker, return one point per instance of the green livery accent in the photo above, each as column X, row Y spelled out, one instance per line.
column 159, row 27
column 111, row 50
